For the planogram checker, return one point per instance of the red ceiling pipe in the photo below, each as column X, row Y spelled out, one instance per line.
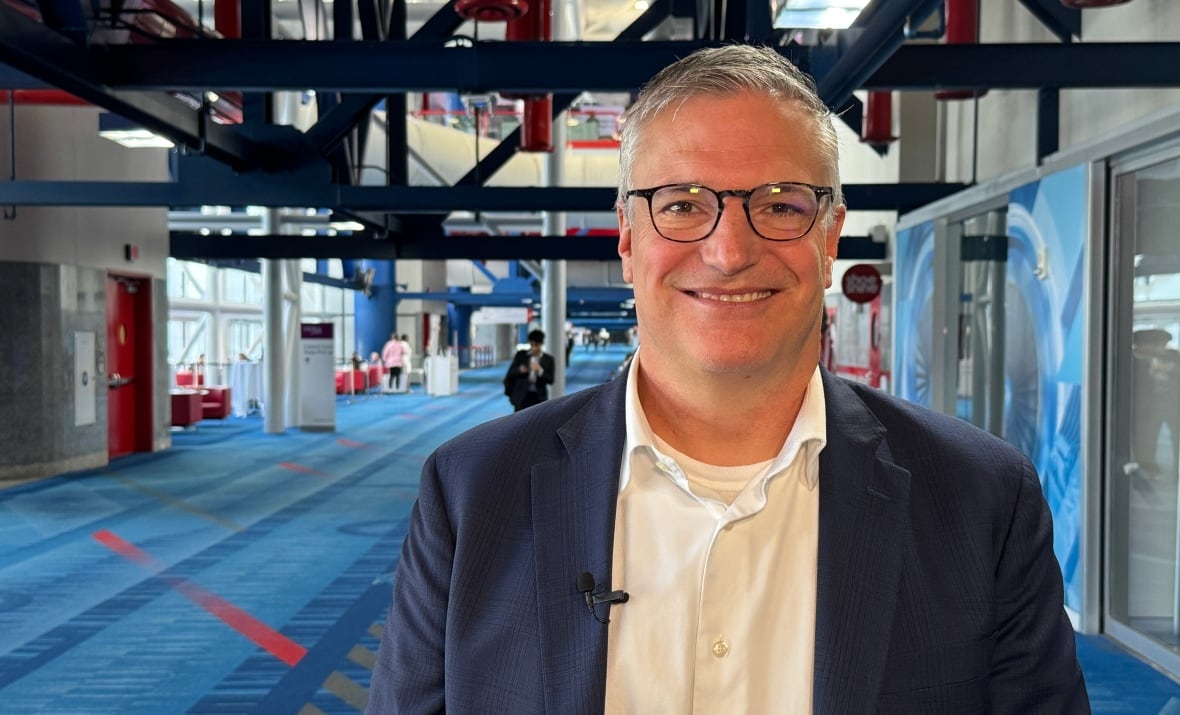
column 536, row 126
column 227, row 18
column 527, row 20
column 962, row 28
column 491, row 10
column 876, row 128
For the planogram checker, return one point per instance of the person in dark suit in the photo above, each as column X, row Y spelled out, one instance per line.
column 531, row 373
column 726, row 526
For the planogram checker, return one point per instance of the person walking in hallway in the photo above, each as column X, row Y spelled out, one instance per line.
column 528, row 378
column 728, row 527
column 393, row 354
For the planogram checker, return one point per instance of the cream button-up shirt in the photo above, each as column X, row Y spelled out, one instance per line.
column 722, row 611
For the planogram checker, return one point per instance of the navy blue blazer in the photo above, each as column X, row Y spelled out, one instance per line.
column 938, row 591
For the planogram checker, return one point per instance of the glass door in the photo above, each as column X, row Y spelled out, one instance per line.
column 1143, row 573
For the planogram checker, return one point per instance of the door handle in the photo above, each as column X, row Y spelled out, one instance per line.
column 116, row 381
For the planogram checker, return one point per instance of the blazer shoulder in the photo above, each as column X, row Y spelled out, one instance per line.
column 520, row 439
column 948, row 459
column 910, row 426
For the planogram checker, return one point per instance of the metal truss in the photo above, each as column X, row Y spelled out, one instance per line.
column 260, row 164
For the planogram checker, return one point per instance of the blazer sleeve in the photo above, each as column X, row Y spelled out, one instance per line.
column 408, row 673
column 1034, row 665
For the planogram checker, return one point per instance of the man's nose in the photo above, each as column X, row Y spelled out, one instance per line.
column 733, row 245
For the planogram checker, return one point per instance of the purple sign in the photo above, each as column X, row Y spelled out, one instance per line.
column 316, row 330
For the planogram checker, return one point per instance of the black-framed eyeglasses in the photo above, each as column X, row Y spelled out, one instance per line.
column 780, row 211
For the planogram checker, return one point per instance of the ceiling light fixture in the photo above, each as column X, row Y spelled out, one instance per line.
column 817, row 14
column 126, row 133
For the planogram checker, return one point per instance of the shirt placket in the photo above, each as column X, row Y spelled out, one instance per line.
column 718, row 640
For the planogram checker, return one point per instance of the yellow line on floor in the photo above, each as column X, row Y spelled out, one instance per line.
column 362, row 656
column 178, row 503
column 347, row 690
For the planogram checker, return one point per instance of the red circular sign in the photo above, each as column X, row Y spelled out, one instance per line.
column 861, row 283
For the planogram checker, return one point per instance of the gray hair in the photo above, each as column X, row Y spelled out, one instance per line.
column 723, row 71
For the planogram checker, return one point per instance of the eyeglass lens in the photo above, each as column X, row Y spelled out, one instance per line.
column 777, row 211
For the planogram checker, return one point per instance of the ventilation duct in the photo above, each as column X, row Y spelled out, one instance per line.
column 877, row 124
column 962, row 28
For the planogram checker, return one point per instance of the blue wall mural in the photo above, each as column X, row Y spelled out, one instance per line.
column 1045, row 319
column 1046, row 322
column 913, row 286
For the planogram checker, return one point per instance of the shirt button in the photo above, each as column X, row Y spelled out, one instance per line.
column 720, row 648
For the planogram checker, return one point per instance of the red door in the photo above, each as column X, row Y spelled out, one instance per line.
column 123, row 372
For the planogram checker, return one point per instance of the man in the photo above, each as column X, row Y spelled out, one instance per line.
column 789, row 542
column 531, row 373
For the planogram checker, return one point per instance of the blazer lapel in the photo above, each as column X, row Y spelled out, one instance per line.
column 863, row 508
column 573, row 502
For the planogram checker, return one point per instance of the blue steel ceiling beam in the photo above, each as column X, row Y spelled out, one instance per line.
column 747, row 20
column 37, row 50
column 279, row 190
column 1064, row 22
column 1090, row 65
column 391, row 67
column 66, row 17
column 331, row 129
column 187, row 245
column 507, row 148
column 651, row 18
column 503, row 152
column 371, row 26
column 388, row 67
column 859, row 51
column 11, row 78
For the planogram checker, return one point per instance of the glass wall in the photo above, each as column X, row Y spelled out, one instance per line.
column 1144, row 573
column 216, row 313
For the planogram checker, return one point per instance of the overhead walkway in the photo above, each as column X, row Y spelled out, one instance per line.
column 246, row 572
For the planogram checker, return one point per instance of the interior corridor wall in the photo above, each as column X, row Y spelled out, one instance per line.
column 53, row 267
column 1007, row 120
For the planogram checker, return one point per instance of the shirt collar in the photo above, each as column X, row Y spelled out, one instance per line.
column 809, row 432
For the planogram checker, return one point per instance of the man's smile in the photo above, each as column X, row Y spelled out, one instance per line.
column 732, row 297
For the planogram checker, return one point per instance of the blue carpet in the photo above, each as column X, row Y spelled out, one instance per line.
column 300, row 531
column 118, row 586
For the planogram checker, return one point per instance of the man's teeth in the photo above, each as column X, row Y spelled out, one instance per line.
column 735, row 297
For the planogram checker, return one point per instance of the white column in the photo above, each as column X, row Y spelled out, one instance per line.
column 553, row 223
column 292, row 299
column 553, row 278
column 273, row 348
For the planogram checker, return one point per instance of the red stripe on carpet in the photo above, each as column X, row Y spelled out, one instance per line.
column 350, row 443
column 305, row 470
column 262, row 635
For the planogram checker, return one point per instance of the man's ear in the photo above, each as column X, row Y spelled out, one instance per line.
column 624, row 240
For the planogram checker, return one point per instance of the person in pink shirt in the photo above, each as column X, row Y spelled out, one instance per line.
column 394, row 355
